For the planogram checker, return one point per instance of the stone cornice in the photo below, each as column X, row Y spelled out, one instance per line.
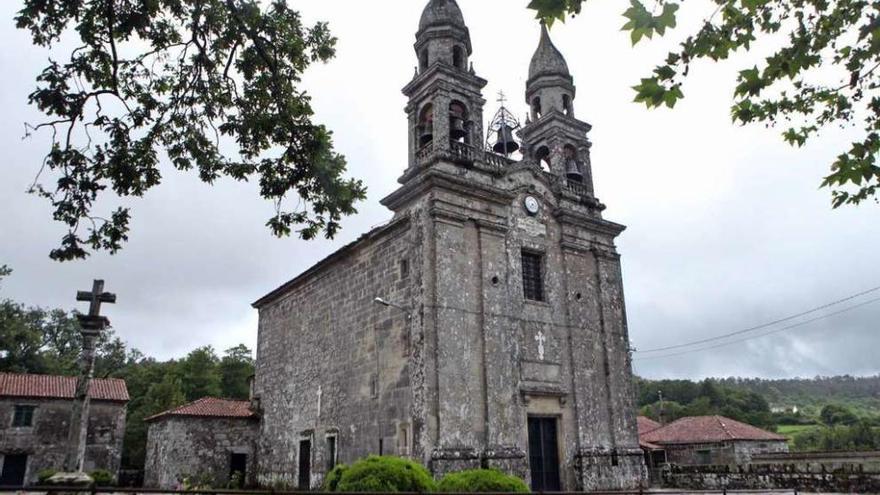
column 441, row 70
column 571, row 217
column 431, row 178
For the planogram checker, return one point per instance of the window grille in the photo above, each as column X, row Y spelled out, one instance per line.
column 533, row 278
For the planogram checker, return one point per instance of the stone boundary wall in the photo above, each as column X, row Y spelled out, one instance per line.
column 770, row 477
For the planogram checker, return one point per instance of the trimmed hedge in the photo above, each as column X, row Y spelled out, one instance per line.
column 102, row 477
column 481, row 481
column 381, row 474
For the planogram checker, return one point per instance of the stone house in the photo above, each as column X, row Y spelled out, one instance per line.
column 712, row 441
column 34, row 425
column 484, row 324
column 206, row 441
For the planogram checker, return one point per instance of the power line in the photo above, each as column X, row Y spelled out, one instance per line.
column 765, row 325
column 778, row 330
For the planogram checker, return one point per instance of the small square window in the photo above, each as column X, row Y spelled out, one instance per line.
column 24, row 416
column 532, row 275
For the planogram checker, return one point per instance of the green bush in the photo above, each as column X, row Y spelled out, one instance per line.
column 333, row 477
column 44, row 475
column 102, row 477
column 385, row 474
column 481, row 481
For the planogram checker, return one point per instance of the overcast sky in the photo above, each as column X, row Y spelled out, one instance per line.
column 727, row 226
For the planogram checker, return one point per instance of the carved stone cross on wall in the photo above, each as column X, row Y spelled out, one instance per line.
column 540, row 339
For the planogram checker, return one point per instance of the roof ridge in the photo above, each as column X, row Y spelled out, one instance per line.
column 724, row 427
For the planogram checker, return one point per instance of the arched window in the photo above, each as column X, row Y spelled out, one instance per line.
column 572, row 164
column 536, row 108
column 567, row 106
column 423, row 60
column 543, row 157
column 458, row 57
column 426, row 125
column 458, row 117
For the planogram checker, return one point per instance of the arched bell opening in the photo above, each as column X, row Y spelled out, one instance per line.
column 536, row 108
column 542, row 155
column 458, row 58
column 567, row 105
column 572, row 165
column 423, row 60
column 458, row 123
column 426, row 125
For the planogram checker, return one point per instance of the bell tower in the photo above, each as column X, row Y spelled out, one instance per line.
column 445, row 107
column 553, row 137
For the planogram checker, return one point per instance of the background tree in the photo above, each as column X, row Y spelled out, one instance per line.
column 211, row 84
column 235, row 368
column 199, row 373
column 825, row 74
column 836, row 414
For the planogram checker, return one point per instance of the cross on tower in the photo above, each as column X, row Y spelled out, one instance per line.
column 97, row 296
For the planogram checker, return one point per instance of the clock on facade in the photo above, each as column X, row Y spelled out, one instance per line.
column 532, row 205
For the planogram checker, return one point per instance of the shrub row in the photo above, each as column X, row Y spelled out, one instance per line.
column 393, row 474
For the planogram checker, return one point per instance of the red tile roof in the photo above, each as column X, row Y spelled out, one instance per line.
column 209, row 407
column 707, row 429
column 60, row 387
column 647, row 425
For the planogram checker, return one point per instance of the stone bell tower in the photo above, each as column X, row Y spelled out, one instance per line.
column 445, row 103
column 553, row 137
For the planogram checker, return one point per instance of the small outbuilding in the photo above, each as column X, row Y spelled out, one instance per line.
column 35, row 423
column 711, row 440
column 207, row 442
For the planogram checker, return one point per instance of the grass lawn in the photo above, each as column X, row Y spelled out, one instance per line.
column 792, row 430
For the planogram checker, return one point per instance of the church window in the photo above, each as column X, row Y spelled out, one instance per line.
column 458, row 117
column 566, row 104
column 536, row 108
column 458, row 57
column 374, row 386
column 615, row 460
column 23, row 417
column 423, row 60
column 331, row 452
column 404, row 268
column 426, row 125
column 381, row 446
column 533, row 279
column 543, row 157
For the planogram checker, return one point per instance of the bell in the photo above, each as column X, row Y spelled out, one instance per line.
column 573, row 170
column 426, row 134
column 506, row 144
column 456, row 128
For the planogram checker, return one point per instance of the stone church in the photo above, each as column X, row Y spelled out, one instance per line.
column 484, row 325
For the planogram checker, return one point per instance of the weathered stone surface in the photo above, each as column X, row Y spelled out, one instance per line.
column 198, row 449
column 70, row 479
column 45, row 443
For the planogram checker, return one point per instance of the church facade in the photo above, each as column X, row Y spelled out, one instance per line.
column 484, row 325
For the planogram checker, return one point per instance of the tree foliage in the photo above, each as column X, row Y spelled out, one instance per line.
column 481, row 481
column 824, row 74
column 213, row 85
column 384, row 474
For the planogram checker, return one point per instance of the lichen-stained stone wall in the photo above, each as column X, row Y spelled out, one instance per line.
column 45, row 443
column 333, row 363
column 733, row 453
column 198, row 449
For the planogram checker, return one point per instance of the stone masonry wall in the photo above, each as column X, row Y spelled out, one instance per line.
column 770, row 477
column 735, row 453
column 333, row 363
column 199, row 449
column 45, row 443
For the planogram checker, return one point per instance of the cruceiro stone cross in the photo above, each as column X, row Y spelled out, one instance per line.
column 540, row 339
column 91, row 326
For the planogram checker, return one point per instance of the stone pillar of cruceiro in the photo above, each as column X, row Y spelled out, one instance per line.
column 91, row 327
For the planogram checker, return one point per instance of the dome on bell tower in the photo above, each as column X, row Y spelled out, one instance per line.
column 440, row 13
column 547, row 60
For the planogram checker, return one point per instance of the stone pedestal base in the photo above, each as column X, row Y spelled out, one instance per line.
column 71, row 480
column 508, row 459
column 448, row 460
column 602, row 469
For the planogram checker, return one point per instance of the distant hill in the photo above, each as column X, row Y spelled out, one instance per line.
column 861, row 394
